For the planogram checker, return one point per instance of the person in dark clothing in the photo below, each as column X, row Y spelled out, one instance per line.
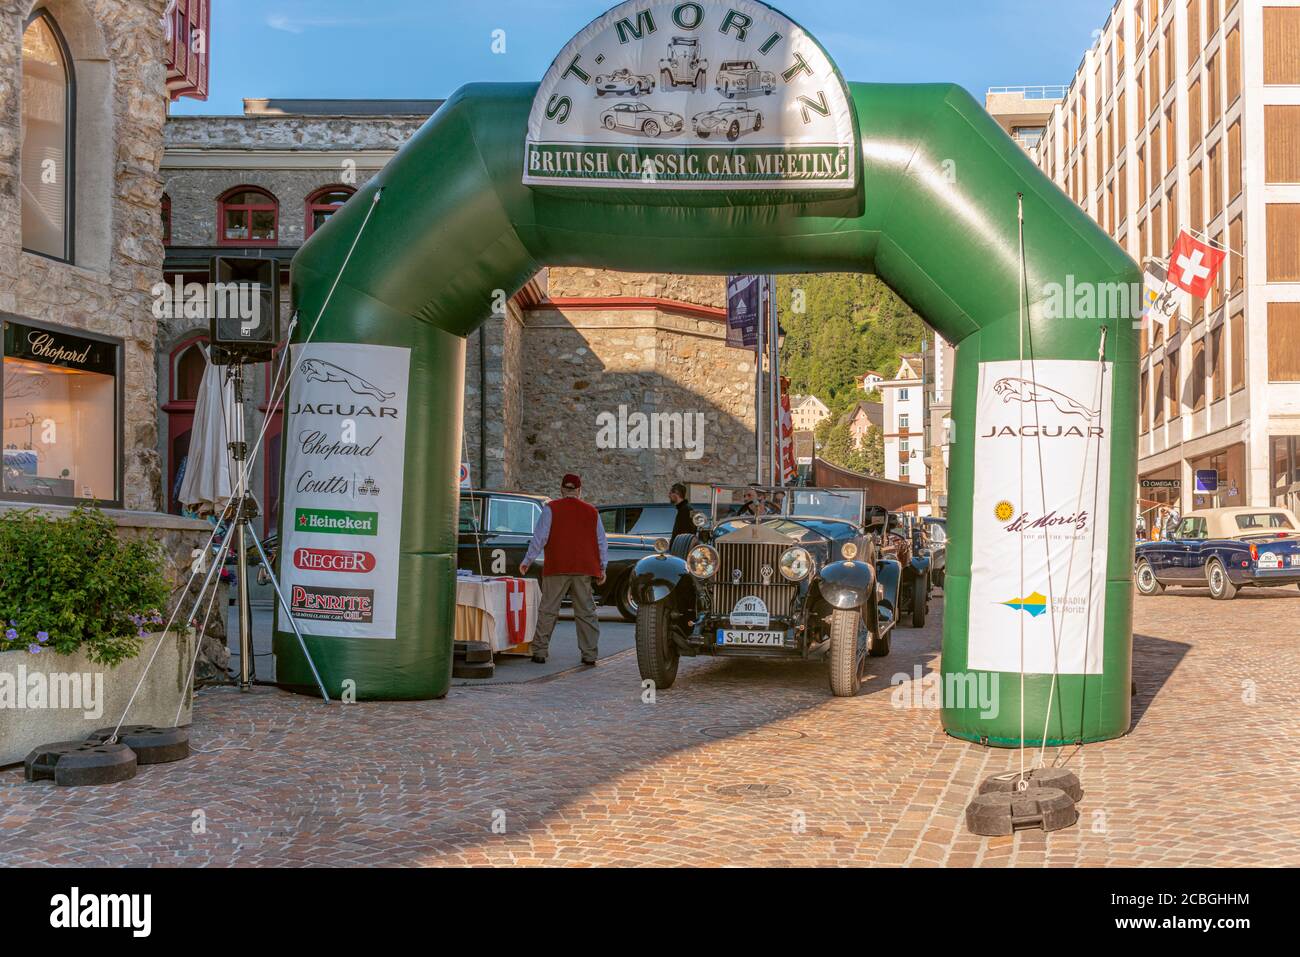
column 684, row 523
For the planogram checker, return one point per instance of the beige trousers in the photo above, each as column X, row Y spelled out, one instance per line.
column 578, row 587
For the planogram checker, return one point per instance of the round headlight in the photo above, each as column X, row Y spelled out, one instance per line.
column 796, row 564
column 699, row 519
column 849, row 551
column 702, row 562
column 661, row 545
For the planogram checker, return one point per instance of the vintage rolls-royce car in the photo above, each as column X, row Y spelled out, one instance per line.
column 1225, row 549
column 744, row 77
column 774, row 573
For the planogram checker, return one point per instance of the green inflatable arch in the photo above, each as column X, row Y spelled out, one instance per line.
column 934, row 214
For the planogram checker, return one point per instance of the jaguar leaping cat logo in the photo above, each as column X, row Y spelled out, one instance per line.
column 318, row 370
column 1026, row 390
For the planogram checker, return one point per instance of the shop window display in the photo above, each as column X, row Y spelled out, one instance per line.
column 60, row 415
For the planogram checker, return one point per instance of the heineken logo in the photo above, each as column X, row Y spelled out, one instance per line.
column 696, row 95
column 336, row 521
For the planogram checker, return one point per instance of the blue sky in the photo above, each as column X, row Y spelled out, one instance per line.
column 428, row 48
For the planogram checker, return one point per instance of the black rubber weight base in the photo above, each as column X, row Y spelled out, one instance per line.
column 1060, row 778
column 466, row 669
column 999, row 813
column 475, row 652
column 152, row 745
column 77, row 763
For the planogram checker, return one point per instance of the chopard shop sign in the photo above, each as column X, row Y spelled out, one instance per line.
column 59, row 349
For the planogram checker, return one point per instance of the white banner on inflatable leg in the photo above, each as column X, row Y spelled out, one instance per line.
column 1050, row 420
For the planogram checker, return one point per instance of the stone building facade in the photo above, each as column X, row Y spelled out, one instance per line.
column 254, row 185
column 80, row 245
column 574, row 349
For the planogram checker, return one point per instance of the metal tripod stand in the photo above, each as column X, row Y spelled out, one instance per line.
column 240, row 514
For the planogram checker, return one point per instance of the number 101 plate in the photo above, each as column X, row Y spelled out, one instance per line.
column 739, row 636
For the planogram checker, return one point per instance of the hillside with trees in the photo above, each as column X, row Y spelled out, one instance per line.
column 837, row 327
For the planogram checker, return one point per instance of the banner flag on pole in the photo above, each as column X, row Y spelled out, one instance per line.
column 1193, row 265
column 1160, row 296
column 743, row 311
column 789, row 468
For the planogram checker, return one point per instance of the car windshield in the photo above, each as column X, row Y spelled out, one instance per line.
column 845, row 504
column 1263, row 520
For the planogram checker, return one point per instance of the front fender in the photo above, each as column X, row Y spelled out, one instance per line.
column 655, row 577
column 846, row 585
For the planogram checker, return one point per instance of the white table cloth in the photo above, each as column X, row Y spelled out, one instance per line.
column 509, row 612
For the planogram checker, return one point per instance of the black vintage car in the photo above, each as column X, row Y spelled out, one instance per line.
column 794, row 574
column 494, row 531
column 496, row 527
column 901, row 537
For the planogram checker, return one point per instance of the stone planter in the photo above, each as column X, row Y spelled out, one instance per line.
column 65, row 697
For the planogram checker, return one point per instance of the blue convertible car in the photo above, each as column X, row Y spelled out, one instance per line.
column 1224, row 549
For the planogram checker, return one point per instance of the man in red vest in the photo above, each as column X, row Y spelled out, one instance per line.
column 571, row 540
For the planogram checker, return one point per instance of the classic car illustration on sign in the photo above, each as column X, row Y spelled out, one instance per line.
column 729, row 119
column 671, row 57
column 624, row 82
column 639, row 118
column 742, row 78
column 1224, row 549
column 805, row 579
column 683, row 65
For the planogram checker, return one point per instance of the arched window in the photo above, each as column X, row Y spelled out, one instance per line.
column 248, row 216
column 190, row 365
column 323, row 203
column 49, row 104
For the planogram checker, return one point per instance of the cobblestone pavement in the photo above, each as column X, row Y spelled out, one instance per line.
column 740, row 763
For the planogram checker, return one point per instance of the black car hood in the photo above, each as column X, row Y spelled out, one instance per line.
column 804, row 531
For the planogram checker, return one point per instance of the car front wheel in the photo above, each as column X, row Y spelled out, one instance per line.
column 627, row 605
column 1147, row 583
column 846, row 675
column 656, row 655
column 918, row 601
column 1221, row 587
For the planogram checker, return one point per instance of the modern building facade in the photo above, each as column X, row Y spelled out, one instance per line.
column 1185, row 114
column 905, row 428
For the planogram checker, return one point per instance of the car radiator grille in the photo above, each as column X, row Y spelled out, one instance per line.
column 750, row 559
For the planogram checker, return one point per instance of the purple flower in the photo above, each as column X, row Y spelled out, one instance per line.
column 11, row 634
column 42, row 636
column 142, row 633
column 34, row 648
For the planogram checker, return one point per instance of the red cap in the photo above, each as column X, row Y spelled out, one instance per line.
column 571, row 481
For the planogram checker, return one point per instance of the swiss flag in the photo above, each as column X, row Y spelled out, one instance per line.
column 1194, row 264
column 516, row 610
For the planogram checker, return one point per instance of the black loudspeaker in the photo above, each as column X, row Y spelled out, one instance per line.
column 243, row 309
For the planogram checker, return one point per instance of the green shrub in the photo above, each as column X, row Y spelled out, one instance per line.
column 71, row 582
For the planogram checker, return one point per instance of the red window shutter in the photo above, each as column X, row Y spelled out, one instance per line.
column 189, row 25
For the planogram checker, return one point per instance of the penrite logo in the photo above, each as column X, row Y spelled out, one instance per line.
column 333, row 604
column 333, row 560
column 75, row 910
column 336, row 521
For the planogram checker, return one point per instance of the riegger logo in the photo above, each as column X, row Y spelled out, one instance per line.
column 333, row 560
column 333, row 604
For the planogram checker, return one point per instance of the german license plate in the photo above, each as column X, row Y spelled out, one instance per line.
column 1295, row 559
column 737, row 636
